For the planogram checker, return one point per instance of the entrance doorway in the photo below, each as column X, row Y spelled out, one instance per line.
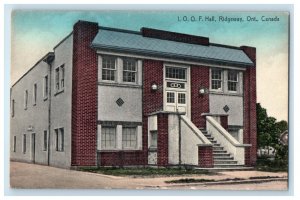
column 176, row 89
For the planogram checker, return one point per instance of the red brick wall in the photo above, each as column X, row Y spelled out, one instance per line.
column 84, row 95
column 153, row 101
column 162, row 140
column 224, row 122
column 250, row 108
column 121, row 158
column 152, row 73
column 199, row 103
column 205, row 156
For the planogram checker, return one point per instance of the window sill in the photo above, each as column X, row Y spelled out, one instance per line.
column 225, row 93
column 59, row 91
column 132, row 85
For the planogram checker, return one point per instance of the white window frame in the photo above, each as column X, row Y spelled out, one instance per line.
column 57, row 79
column 103, row 144
column 25, row 99
column 24, row 143
column 14, row 143
column 59, row 139
column 45, row 140
column 225, row 82
column 237, row 82
column 135, row 72
column 114, row 70
column 135, row 136
column 221, row 80
column 34, row 94
column 12, row 108
column 45, row 86
column 62, row 76
column 176, row 67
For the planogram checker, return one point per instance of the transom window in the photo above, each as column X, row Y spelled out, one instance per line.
column 170, row 97
column 108, row 68
column 232, row 81
column 129, row 137
column 176, row 73
column 129, row 70
column 108, row 137
column 216, row 79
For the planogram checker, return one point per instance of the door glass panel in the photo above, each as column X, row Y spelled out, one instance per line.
column 181, row 98
column 170, row 97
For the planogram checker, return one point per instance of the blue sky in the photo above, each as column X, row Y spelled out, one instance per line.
column 34, row 33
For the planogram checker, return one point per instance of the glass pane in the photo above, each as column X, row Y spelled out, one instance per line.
column 181, row 98
column 170, row 97
column 176, row 73
column 129, row 137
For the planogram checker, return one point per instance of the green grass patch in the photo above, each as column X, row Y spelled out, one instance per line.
column 145, row 171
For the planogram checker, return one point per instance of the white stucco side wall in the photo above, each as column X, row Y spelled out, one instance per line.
column 235, row 104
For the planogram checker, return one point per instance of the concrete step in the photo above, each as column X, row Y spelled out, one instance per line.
column 219, row 151
column 218, row 148
column 216, row 162
column 228, row 166
column 223, row 158
column 217, row 155
column 216, row 145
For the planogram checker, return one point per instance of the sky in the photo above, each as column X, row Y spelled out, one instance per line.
column 34, row 33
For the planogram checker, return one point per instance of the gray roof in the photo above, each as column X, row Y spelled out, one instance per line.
column 133, row 42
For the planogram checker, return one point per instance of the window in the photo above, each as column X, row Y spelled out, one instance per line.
column 108, row 137
column 181, row 98
column 153, row 139
column 46, row 90
column 57, row 79
column 108, row 68
column 216, row 79
column 13, row 108
column 34, row 93
column 170, row 97
column 14, row 143
column 45, row 145
column 129, row 70
column 59, row 133
column 176, row 73
column 25, row 99
column 232, row 81
column 24, row 143
column 129, row 137
column 62, row 80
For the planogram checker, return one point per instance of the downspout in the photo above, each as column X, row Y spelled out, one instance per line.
column 49, row 114
column 49, row 59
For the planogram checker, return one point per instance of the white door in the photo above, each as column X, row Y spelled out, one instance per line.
column 176, row 101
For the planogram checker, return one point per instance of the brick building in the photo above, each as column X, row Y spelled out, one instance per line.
column 111, row 97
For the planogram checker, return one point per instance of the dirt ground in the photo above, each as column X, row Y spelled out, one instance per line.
column 24, row 175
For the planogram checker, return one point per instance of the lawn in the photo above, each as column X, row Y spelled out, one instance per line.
column 147, row 171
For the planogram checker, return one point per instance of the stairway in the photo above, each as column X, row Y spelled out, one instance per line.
column 222, row 159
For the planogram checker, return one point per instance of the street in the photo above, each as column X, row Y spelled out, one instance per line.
column 24, row 175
